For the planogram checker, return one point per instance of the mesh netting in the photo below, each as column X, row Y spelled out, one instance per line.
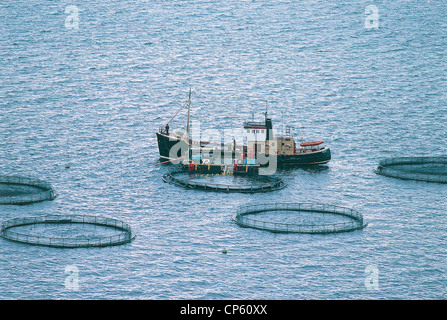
column 429, row 169
column 224, row 183
column 315, row 218
column 22, row 190
column 89, row 231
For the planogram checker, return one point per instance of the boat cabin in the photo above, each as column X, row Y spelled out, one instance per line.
column 285, row 145
column 311, row 146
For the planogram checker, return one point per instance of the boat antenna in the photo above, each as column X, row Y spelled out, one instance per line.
column 282, row 122
column 188, row 102
column 266, row 108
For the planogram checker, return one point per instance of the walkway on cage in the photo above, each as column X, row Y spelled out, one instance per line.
column 17, row 190
column 428, row 169
column 123, row 232
column 354, row 219
column 224, row 183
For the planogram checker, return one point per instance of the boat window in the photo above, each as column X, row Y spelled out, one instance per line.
column 262, row 131
column 248, row 130
column 257, row 130
column 253, row 131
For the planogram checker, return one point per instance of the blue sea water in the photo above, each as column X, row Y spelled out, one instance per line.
column 94, row 94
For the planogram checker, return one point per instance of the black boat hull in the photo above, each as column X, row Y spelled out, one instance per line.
column 310, row 158
column 171, row 148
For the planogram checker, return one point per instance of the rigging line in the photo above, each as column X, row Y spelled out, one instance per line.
column 181, row 108
column 169, row 161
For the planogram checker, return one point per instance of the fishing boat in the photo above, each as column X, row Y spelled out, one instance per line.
column 260, row 147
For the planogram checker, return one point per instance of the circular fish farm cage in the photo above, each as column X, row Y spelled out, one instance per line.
column 429, row 169
column 22, row 190
column 67, row 231
column 224, row 183
column 309, row 218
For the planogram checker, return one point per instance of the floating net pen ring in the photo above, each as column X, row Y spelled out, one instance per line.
column 428, row 169
column 17, row 190
column 243, row 219
column 125, row 234
column 263, row 183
